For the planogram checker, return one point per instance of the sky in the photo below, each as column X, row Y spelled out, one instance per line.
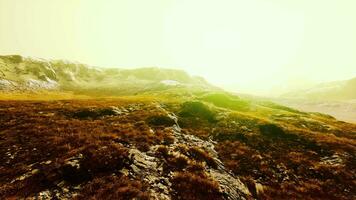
column 250, row 46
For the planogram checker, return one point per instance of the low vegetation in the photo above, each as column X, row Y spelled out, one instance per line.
column 225, row 100
column 191, row 186
column 109, row 187
column 83, row 146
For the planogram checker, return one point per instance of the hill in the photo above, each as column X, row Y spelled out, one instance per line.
column 187, row 142
column 329, row 91
column 336, row 98
column 27, row 74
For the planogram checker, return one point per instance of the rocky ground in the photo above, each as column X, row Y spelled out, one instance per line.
column 159, row 167
column 144, row 148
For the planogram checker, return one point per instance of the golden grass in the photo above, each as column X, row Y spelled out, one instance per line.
column 275, row 150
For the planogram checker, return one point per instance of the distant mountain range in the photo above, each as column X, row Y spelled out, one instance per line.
column 336, row 90
column 337, row 98
column 19, row 73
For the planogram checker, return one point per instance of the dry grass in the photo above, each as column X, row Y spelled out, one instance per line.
column 43, row 136
column 279, row 155
column 191, row 186
column 120, row 188
column 282, row 151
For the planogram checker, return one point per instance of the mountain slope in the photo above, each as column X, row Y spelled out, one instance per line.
column 18, row 73
column 160, row 148
column 335, row 98
column 186, row 141
column 337, row 90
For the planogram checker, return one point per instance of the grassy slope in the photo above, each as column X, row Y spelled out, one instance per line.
column 280, row 153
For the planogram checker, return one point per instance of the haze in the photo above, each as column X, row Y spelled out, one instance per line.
column 254, row 46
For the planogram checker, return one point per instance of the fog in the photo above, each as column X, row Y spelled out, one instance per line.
column 256, row 46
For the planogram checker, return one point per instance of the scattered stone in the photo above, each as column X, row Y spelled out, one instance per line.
column 148, row 167
column 259, row 188
column 48, row 162
column 334, row 160
column 74, row 161
column 35, row 171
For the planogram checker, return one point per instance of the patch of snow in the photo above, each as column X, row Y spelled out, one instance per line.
column 52, row 82
column 5, row 83
column 170, row 82
column 50, row 68
column 37, row 84
column 71, row 75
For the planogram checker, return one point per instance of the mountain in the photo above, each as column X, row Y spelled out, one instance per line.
column 183, row 140
column 18, row 73
column 337, row 90
column 336, row 98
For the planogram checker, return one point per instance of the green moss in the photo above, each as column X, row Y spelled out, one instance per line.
column 275, row 106
column 226, row 101
column 197, row 109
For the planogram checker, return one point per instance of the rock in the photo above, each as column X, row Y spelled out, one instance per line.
column 48, row 162
column 244, row 128
column 44, row 195
column 116, row 110
column 334, row 160
column 147, row 166
column 35, row 171
column 259, row 188
column 95, row 113
column 74, row 161
column 125, row 171
column 230, row 186
column 152, row 169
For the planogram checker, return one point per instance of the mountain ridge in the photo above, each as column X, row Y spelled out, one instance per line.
column 335, row 90
column 19, row 73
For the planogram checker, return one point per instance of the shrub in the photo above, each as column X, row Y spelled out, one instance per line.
column 197, row 109
column 112, row 187
column 274, row 131
column 177, row 162
column 91, row 113
column 226, row 101
column 160, row 120
column 187, row 185
column 200, row 155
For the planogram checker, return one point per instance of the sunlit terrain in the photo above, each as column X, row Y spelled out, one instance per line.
column 177, row 99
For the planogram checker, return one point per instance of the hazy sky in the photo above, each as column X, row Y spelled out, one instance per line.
column 251, row 45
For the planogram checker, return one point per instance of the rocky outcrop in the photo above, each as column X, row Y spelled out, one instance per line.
column 147, row 166
column 157, row 167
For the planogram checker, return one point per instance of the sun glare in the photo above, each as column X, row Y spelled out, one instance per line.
column 249, row 46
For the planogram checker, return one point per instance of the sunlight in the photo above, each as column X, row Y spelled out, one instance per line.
column 248, row 46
